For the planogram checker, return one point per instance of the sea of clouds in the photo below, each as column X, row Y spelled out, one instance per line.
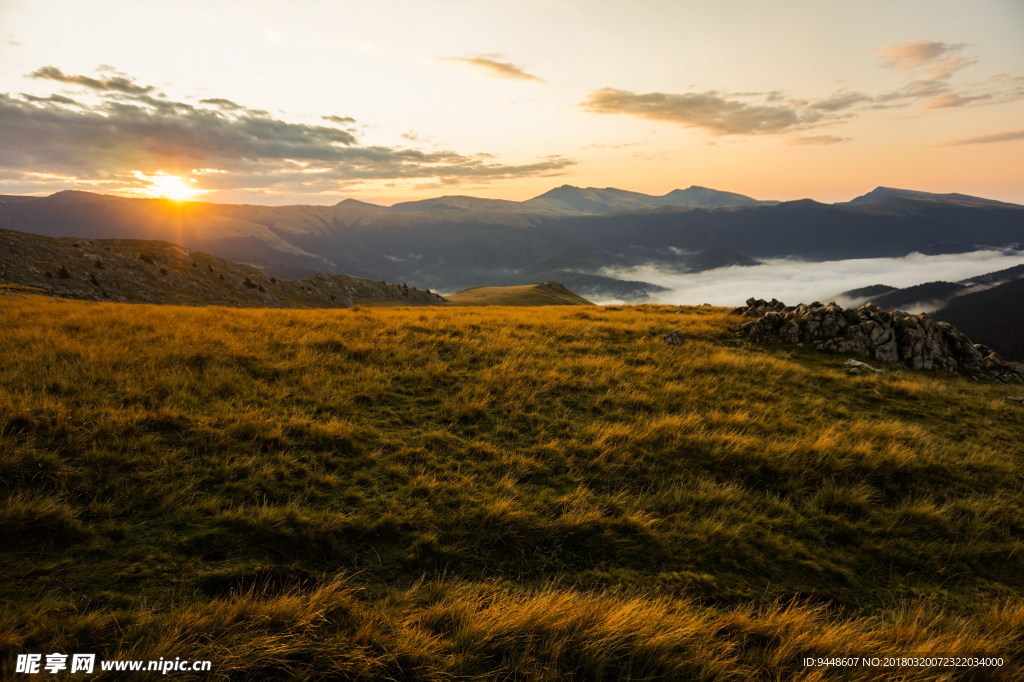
column 795, row 281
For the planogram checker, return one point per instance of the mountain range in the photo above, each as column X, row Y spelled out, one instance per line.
column 569, row 234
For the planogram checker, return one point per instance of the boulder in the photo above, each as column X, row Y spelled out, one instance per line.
column 673, row 338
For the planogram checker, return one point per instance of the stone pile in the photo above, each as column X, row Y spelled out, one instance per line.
column 895, row 338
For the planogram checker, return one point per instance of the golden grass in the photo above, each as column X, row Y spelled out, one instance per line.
column 450, row 630
column 541, row 493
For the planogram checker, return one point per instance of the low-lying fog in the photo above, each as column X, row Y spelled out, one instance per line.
column 794, row 281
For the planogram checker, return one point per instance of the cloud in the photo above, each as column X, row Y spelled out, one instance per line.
column 947, row 67
column 923, row 53
column 916, row 53
column 752, row 113
column 839, row 100
column 1007, row 136
column 54, row 99
column 912, row 91
column 709, row 111
column 818, row 139
column 222, row 103
column 954, row 99
column 132, row 129
column 795, row 282
column 344, row 120
column 495, row 68
column 117, row 83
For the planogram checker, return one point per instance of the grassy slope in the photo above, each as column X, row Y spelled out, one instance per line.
column 548, row 293
column 477, row 492
column 143, row 271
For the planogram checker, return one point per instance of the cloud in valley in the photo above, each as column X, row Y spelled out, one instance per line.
column 795, row 282
column 494, row 67
column 128, row 127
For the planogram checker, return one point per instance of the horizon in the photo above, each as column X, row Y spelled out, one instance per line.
column 295, row 106
column 200, row 200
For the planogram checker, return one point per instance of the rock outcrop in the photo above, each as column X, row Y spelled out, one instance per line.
column 895, row 338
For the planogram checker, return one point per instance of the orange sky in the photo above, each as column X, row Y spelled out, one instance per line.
column 314, row 101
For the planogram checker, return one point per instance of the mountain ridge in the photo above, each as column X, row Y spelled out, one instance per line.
column 882, row 193
column 450, row 243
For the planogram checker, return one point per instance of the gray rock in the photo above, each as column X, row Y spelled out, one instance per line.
column 894, row 338
column 673, row 338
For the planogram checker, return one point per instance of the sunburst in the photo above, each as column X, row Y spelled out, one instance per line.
column 165, row 186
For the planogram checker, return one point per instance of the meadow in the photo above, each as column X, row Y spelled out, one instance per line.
column 442, row 493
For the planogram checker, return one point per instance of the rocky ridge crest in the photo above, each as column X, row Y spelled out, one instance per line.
column 892, row 337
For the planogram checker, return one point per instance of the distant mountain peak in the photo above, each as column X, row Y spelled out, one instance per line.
column 696, row 196
column 357, row 202
column 76, row 194
column 881, row 193
column 594, row 200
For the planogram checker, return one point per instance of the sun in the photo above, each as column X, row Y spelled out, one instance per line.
column 173, row 187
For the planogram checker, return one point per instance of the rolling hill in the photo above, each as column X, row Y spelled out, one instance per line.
column 548, row 293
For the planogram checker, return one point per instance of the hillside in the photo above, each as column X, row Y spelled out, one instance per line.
column 147, row 271
column 548, row 293
column 480, row 493
column 866, row 294
column 992, row 315
column 926, row 296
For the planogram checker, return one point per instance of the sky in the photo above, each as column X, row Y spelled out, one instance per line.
column 314, row 101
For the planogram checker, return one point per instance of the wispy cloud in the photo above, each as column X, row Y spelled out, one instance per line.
column 343, row 120
column 1006, row 136
column 222, row 103
column 116, row 82
column 916, row 53
column 130, row 127
column 955, row 99
column 493, row 67
column 932, row 65
column 843, row 98
column 710, row 111
column 818, row 139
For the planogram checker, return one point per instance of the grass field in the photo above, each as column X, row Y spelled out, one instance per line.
column 494, row 493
